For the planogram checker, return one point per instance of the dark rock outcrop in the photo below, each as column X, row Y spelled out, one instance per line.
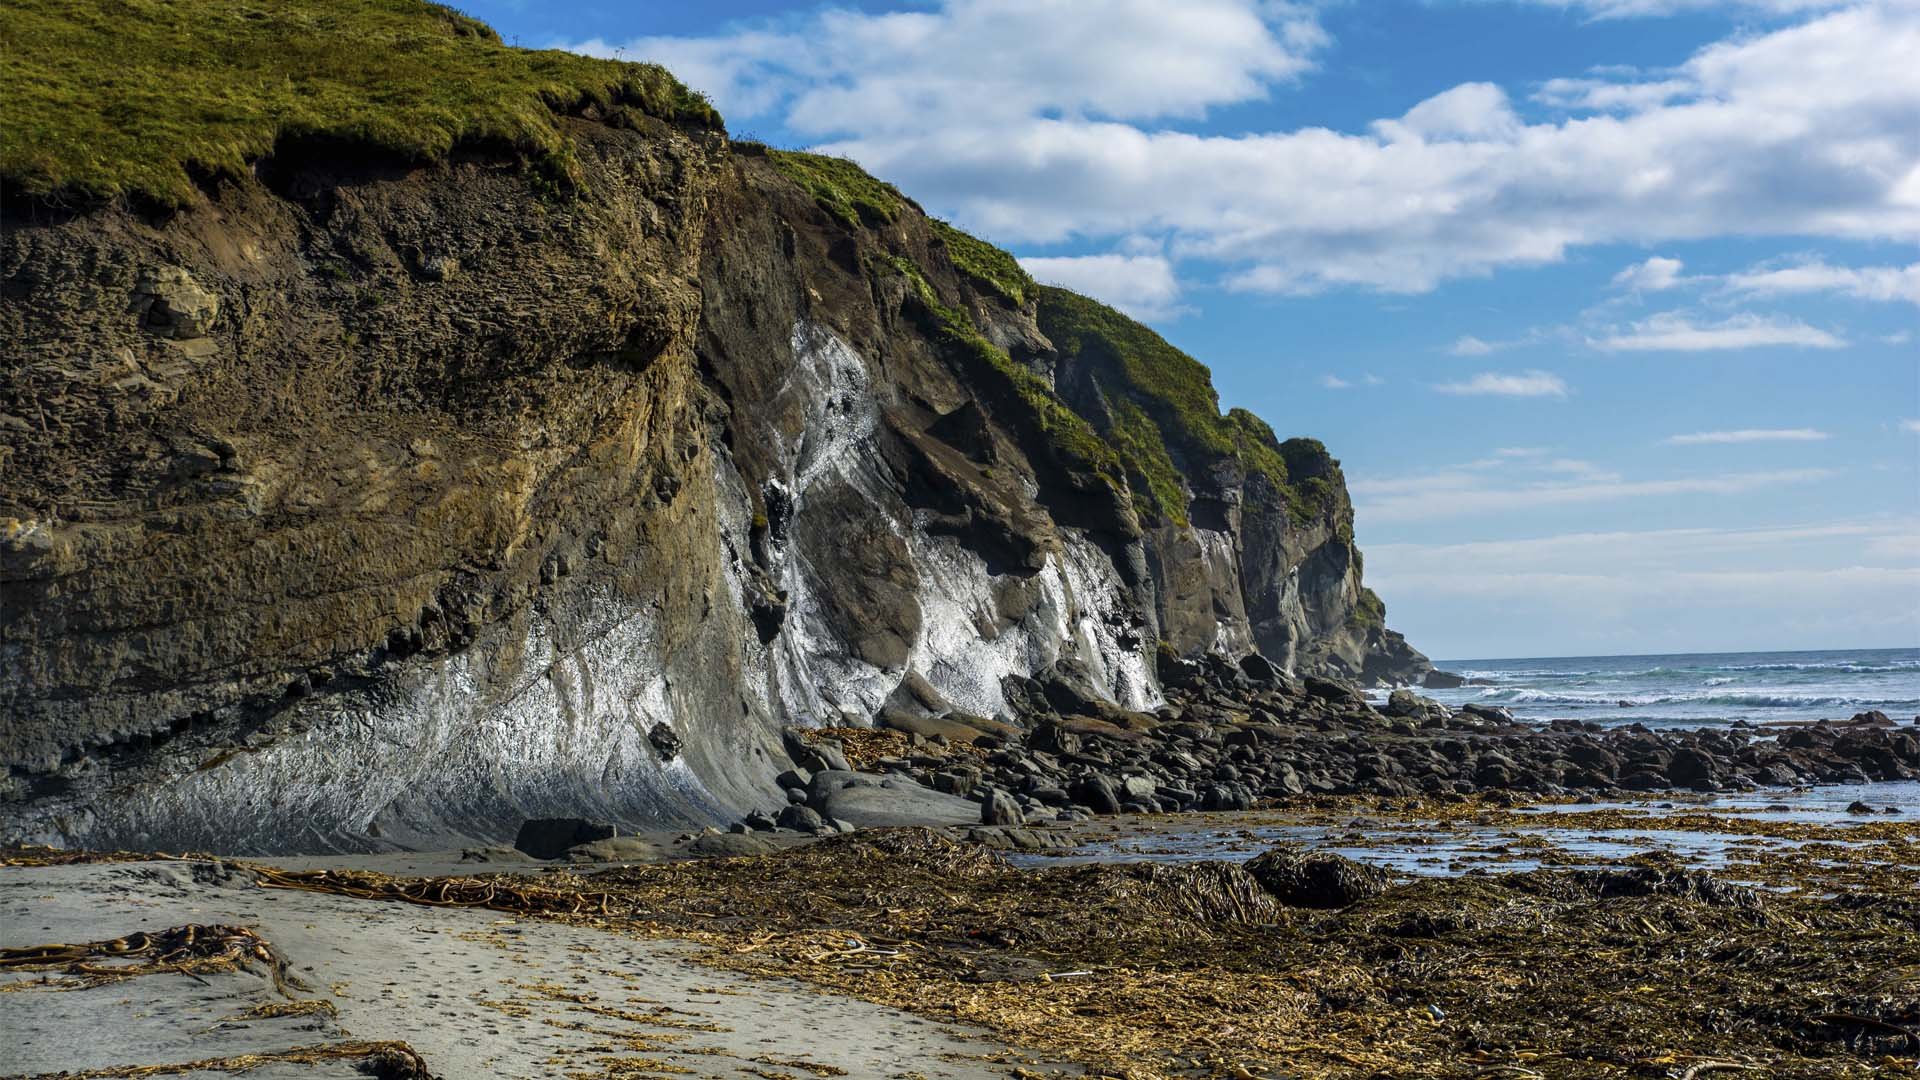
column 549, row 838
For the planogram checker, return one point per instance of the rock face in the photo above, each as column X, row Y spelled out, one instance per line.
column 368, row 504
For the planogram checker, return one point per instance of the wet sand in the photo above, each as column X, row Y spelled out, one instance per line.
column 476, row 993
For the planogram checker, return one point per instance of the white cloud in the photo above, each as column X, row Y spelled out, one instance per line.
column 1623, row 9
column 1654, row 275
column 1373, row 380
column 1910, row 425
column 1143, row 286
column 1677, row 332
column 1030, row 122
column 1898, row 337
column 1600, row 95
column 1436, row 496
column 1468, row 345
column 1523, row 384
column 1335, row 382
column 982, row 63
column 1467, row 112
column 1750, row 435
column 1884, row 283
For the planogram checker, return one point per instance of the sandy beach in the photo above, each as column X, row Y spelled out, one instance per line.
column 475, row 993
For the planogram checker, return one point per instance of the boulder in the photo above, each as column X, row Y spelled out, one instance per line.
column 614, row 849
column 1316, row 879
column 1000, row 809
column 1495, row 713
column 549, row 838
column 1338, row 693
column 1442, row 680
column 1691, row 768
column 947, row 727
column 1261, row 670
column 869, row 801
column 800, row 819
column 1405, row 703
column 1097, row 793
column 728, row 845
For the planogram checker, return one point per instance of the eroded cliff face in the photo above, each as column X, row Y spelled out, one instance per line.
column 366, row 505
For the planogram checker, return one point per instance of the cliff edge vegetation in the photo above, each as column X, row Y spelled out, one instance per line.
column 146, row 99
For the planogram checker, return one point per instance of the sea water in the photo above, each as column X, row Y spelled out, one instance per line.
column 1696, row 689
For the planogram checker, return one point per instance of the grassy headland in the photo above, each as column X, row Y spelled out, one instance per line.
column 138, row 98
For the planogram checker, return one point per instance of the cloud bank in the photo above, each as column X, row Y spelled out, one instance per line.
column 1039, row 122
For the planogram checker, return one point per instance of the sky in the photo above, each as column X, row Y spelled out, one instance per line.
column 1610, row 308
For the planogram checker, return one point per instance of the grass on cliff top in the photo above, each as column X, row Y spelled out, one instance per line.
column 984, row 263
column 135, row 98
column 1175, row 393
column 854, row 197
column 1065, row 429
column 842, row 188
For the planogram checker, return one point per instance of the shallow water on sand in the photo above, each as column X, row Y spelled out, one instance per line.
column 1559, row 839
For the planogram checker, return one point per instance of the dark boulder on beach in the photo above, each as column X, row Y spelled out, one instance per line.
column 549, row 838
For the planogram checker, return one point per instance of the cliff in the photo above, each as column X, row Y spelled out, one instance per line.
column 365, row 487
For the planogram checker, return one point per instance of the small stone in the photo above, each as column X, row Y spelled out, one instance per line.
column 801, row 819
column 665, row 742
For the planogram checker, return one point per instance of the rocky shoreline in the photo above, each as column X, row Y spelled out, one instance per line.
column 1237, row 736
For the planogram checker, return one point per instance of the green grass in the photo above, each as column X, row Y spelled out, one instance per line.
column 1174, row 394
column 1139, row 443
column 984, row 263
column 842, row 188
column 134, row 98
column 1011, row 383
column 856, row 199
column 1370, row 612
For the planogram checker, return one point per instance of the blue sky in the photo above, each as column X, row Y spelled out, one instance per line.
column 1611, row 308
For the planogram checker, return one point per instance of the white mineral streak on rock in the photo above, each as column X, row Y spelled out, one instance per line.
column 965, row 646
column 1230, row 635
column 504, row 727
column 815, row 674
column 1098, row 602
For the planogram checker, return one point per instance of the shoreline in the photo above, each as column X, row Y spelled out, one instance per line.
column 1130, row 970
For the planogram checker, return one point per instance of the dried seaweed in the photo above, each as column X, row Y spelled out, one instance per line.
column 187, row 950
column 385, row 1059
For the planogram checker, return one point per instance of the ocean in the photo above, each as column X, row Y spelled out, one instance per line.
column 1696, row 689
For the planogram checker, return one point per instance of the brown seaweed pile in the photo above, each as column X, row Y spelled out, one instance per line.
column 1148, row 970
column 182, row 950
column 380, row 1059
